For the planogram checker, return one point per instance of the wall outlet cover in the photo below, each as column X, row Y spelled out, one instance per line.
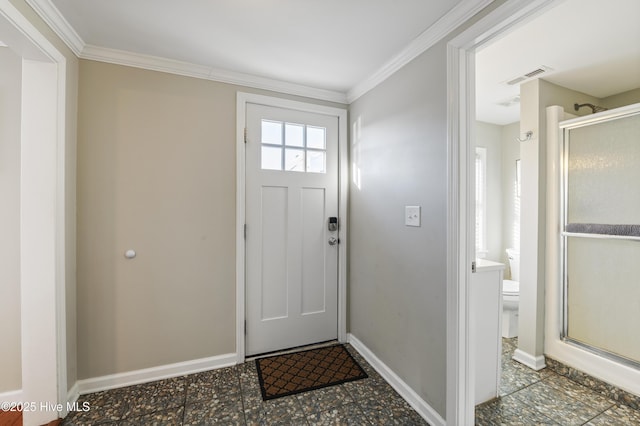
column 412, row 215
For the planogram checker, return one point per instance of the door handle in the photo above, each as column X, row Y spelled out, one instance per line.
column 333, row 241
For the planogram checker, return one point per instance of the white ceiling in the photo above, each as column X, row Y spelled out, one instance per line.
column 592, row 46
column 325, row 44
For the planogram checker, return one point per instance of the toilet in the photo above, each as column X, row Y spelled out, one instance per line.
column 511, row 296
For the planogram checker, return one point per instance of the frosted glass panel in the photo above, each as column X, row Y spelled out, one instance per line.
column 272, row 132
column 316, row 161
column 294, row 160
column 604, row 294
column 604, row 172
column 271, row 158
column 294, row 134
column 316, row 137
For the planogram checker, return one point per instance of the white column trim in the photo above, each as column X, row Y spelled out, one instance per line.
column 460, row 220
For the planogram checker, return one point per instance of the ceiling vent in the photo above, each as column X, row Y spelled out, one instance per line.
column 534, row 73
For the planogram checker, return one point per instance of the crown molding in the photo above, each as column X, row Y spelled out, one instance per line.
column 187, row 69
column 462, row 12
column 52, row 17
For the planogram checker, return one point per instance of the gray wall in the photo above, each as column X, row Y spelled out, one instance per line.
column 397, row 273
column 10, row 104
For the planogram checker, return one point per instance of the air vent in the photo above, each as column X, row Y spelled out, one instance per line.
column 526, row 76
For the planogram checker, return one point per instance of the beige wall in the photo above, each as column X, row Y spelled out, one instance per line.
column 510, row 201
column 10, row 100
column 156, row 173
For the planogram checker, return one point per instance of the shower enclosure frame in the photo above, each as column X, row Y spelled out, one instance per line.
column 565, row 128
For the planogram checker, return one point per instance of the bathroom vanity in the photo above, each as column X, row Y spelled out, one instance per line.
column 486, row 328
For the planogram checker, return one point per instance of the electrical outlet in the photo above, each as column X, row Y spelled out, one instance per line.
column 412, row 215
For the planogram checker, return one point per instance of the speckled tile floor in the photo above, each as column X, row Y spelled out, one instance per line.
column 231, row 396
column 543, row 397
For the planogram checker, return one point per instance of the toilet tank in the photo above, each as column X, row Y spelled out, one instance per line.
column 514, row 263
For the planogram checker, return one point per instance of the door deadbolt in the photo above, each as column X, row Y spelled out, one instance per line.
column 333, row 241
column 333, row 224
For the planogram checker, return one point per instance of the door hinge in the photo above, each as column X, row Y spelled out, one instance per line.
column 245, row 327
column 245, row 231
column 245, row 135
column 473, row 267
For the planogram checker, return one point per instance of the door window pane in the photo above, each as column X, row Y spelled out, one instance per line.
column 316, row 162
column 316, row 137
column 294, row 134
column 294, row 160
column 271, row 158
column 272, row 132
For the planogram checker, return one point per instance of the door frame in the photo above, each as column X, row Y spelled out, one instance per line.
column 243, row 99
column 460, row 203
column 43, row 224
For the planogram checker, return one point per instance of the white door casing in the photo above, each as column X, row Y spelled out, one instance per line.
column 294, row 288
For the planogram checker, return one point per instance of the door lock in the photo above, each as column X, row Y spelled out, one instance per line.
column 333, row 241
column 333, row 224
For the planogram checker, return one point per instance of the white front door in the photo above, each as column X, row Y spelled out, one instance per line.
column 291, row 248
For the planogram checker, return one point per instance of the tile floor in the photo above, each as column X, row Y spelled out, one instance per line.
column 543, row 397
column 231, row 396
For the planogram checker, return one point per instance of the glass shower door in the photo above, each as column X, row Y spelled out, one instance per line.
column 601, row 233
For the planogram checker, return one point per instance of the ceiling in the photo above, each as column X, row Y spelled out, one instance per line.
column 591, row 46
column 325, row 44
column 337, row 50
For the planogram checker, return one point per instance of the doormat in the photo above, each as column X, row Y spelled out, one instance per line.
column 298, row 372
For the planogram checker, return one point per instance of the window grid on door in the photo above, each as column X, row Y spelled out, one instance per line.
column 293, row 147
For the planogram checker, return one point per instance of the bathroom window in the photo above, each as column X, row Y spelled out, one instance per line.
column 481, row 202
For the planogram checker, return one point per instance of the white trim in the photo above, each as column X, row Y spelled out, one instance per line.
column 43, row 204
column 421, row 406
column 12, row 396
column 462, row 12
column 535, row 362
column 171, row 66
column 153, row 374
column 52, row 16
column 460, row 240
column 73, row 394
column 242, row 100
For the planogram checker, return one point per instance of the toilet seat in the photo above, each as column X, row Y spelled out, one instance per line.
column 510, row 288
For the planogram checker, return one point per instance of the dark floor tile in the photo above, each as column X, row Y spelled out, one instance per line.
column 225, row 410
column 555, row 404
column 509, row 410
column 156, row 396
column 285, row 410
column 580, row 393
column 104, row 407
column 618, row 415
column 323, row 399
column 210, row 384
column 171, row 417
column 348, row 414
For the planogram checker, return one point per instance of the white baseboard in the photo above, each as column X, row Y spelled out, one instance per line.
column 12, row 396
column 535, row 362
column 425, row 410
column 146, row 375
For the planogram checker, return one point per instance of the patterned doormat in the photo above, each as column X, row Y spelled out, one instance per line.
column 288, row 374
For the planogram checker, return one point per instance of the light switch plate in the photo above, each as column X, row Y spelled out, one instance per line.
column 412, row 215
